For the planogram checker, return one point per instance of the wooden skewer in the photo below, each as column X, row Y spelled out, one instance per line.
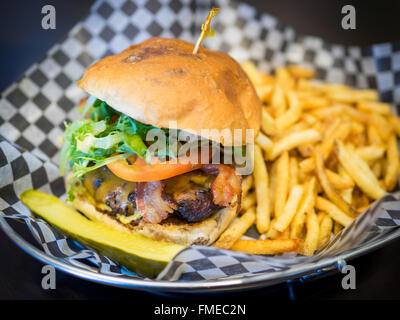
column 204, row 29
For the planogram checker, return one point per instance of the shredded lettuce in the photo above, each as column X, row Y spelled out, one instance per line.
column 106, row 136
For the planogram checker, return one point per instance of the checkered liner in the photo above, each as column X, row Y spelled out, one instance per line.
column 33, row 110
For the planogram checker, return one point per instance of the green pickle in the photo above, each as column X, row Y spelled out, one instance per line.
column 139, row 254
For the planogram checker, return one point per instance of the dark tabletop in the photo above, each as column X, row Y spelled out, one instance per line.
column 23, row 42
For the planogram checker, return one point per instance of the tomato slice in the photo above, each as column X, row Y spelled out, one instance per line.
column 140, row 171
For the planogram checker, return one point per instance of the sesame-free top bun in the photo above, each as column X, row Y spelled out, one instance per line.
column 161, row 80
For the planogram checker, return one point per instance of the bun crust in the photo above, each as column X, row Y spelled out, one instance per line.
column 171, row 230
column 160, row 80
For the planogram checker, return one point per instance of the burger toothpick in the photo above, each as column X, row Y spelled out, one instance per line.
column 206, row 30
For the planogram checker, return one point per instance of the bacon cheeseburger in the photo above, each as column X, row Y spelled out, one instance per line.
column 118, row 179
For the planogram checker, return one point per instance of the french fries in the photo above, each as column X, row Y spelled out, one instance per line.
column 236, row 230
column 261, row 188
column 266, row 246
column 278, row 101
column 325, row 230
column 392, row 168
column 267, row 123
column 336, row 214
column 310, row 244
column 329, row 190
column 282, row 184
column 359, row 170
column 247, row 183
column 306, row 204
column 339, row 181
column 292, row 141
column 248, row 201
column 283, row 220
column 292, row 115
column 264, row 142
column 325, row 152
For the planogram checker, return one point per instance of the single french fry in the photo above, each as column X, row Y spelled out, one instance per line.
column 310, row 243
column 339, row 181
column 314, row 102
column 236, row 230
column 284, row 78
column 306, row 204
column 264, row 92
column 308, row 86
column 282, row 184
column 320, row 216
column 293, row 140
column 347, row 95
column 267, row 123
column 325, row 230
column 329, row 190
column 393, row 163
column 248, row 201
column 266, row 246
column 375, row 107
column 278, row 101
column 359, row 171
column 301, row 72
column 247, row 183
column 272, row 184
column 335, row 213
column 256, row 77
column 291, row 115
column 347, row 195
column 377, row 168
column 264, row 142
column 371, row 153
column 327, row 112
column 297, row 127
column 261, row 189
column 283, row 220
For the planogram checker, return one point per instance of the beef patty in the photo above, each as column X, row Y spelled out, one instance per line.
column 189, row 192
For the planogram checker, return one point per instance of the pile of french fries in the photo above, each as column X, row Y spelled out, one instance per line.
column 324, row 154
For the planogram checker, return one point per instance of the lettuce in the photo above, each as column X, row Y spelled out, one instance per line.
column 104, row 137
column 107, row 136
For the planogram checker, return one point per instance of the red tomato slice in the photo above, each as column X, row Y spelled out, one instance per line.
column 141, row 171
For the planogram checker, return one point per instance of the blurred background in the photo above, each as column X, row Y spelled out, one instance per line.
column 23, row 41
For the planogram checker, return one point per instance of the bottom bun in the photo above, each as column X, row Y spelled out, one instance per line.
column 172, row 229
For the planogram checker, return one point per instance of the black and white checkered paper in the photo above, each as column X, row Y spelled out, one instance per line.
column 33, row 110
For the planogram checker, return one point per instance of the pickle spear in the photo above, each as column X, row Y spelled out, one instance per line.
column 139, row 254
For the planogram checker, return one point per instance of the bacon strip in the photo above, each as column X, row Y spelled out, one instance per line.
column 225, row 191
column 150, row 202
column 226, row 186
